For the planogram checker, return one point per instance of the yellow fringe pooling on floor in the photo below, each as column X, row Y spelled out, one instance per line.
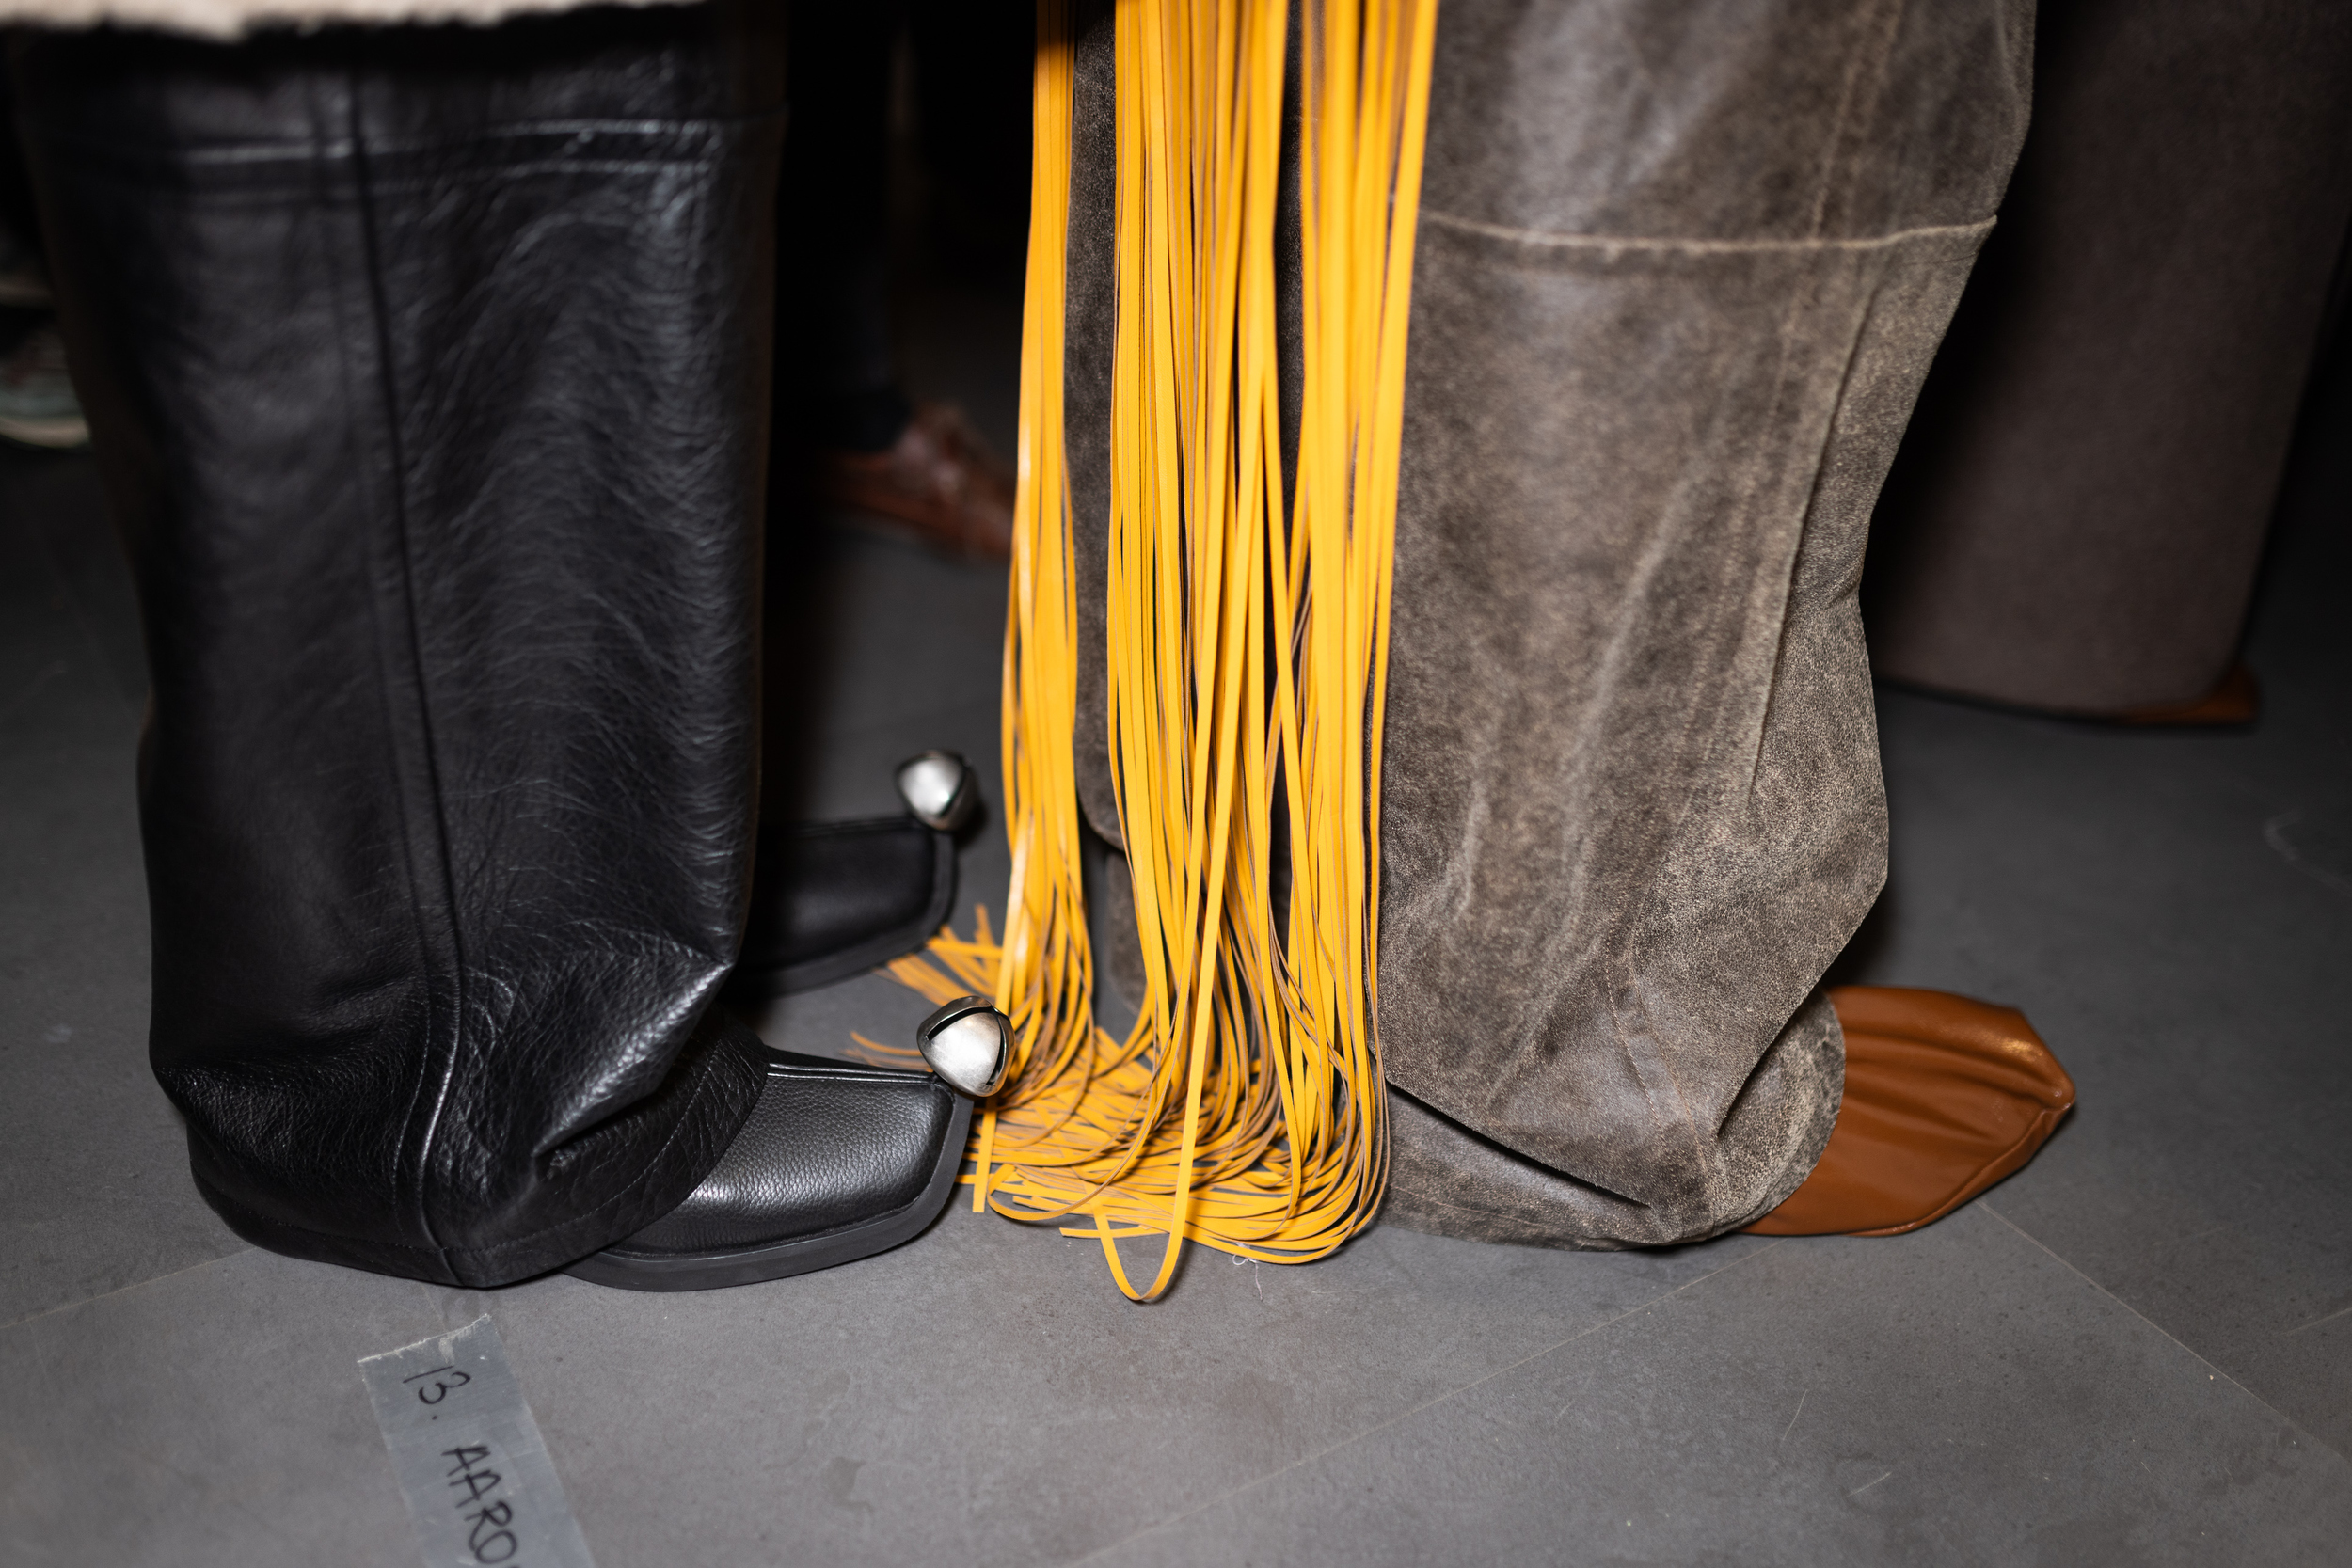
column 1247, row 646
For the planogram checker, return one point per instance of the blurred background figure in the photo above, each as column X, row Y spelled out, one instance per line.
column 2079, row 511
column 37, row 403
column 910, row 127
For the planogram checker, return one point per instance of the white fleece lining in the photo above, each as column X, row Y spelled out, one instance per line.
column 230, row 19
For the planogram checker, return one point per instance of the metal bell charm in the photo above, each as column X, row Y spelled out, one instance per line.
column 969, row 1044
column 940, row 789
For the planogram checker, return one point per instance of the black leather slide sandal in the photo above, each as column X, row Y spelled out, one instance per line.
column 838, row 1162
column 832, row 899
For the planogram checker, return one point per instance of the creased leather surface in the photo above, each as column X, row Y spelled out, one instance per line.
column 1681, row 271
column 828, row 1144
column 430, row 388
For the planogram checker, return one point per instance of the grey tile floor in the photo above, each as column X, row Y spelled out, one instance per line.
column 2138, row 1351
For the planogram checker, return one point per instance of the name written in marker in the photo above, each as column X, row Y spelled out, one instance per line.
column 469, row 1455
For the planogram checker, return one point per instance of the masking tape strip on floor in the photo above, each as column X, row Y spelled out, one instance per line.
column 469, row 1455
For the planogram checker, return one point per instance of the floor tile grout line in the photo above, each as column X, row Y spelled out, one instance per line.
column 2322, row 1318
column 121, row 1289
column 1433, row 1400
column 2216, row 1369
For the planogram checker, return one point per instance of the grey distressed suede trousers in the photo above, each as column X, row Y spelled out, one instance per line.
column 1683, row 268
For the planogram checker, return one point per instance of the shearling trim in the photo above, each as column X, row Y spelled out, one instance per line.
column 232, row 19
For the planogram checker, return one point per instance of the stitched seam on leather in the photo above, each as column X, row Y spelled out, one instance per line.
column 378, row 314
column 1556, row 241
column 1801, row 303
column 1806, row 524
column 1845, row 144
column 1845, row 141
column 678, row 1129
column 336, row 249
column 297, row 155
column 1846, row 131
column 851, row 1072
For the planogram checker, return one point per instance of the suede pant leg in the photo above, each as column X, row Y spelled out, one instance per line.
column 428, row 371
column 1681, row 269
column 1681, row 272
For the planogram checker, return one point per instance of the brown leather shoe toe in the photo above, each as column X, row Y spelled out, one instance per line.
column 941, row 482
column 1945, row 1097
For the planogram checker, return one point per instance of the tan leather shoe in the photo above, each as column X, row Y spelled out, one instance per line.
column 941, row 480
column 1945, row 1097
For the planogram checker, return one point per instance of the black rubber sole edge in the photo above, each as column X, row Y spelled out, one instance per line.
column 712, row 1271
column 758, row 984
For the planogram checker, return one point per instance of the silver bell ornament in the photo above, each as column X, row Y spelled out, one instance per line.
column 969, row 1044
column 940, row 788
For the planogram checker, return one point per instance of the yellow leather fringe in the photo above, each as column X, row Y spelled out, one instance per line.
column 1247, row 646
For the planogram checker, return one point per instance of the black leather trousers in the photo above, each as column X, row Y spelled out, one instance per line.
column 428, row 368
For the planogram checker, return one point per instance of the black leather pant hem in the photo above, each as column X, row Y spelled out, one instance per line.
column 352, row 1252
column 484, row 1268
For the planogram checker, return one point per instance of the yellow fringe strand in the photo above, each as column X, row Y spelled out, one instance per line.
column 1247, row 639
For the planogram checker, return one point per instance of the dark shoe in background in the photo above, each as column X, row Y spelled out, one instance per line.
column 2235, row 701
column 940, row 481
column 37, row 408
column 832, row 899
